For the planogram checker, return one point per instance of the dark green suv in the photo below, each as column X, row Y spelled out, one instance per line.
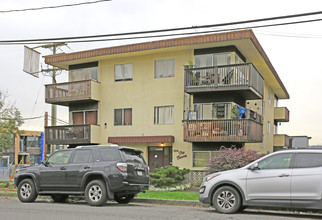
column 100, row 173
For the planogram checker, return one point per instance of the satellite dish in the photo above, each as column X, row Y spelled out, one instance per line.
column 31, row 62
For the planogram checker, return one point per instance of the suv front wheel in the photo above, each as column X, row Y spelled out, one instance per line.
column 96, row 193
column 226, row 200
column 27, row 191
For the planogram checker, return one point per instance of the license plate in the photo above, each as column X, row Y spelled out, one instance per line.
column 139, row 173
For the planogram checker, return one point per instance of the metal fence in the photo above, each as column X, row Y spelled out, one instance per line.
column 5, row 173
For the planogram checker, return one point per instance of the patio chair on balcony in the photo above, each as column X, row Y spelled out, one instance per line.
column 228, row 78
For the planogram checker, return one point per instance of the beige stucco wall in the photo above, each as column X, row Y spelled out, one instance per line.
column 268, row 116
column 142, row 94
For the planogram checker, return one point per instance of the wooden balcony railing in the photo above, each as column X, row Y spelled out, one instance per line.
column 64, row 93
column 71, row 134
column 225, row 78
column 227, row 130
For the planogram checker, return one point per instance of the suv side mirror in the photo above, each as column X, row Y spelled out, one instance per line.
column 254, row 167
column 44, row 162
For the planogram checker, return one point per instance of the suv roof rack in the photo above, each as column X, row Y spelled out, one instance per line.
column 108, row 145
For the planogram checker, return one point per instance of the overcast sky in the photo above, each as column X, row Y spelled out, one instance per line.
column 294, row 50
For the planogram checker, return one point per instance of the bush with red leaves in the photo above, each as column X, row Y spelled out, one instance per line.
column 231, row 158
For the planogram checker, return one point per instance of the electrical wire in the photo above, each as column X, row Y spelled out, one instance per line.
column 52, row 7
column 170, row 35
column 59, row 120
column 25, row 119
column 293, row 35
column 168, row 30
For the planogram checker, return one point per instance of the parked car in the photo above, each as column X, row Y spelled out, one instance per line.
column 100, row 173
column 286, row 179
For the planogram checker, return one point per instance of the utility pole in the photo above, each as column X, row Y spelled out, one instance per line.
column 53, row 73
column 54, row 48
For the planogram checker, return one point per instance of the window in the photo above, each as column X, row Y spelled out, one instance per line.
column 60, row 157
column 133, row 156
column 268, row 127
column 89, row 117
column 163, row 114
column 219, row 110
column 123, row 72
column 123, row 116
column 164, row 68
column 202, row 158
column 279, row 161
column 217, row 59
column 83, row 156
column 109, row 154
column 84, row 71
column 33, row 141
column 307, row 160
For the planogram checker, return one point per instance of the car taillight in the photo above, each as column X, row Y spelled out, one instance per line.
column 122, row 167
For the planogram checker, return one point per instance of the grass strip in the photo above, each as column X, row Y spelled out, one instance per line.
column 169, row 195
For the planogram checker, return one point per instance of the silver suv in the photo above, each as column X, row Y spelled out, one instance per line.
column 287, row 179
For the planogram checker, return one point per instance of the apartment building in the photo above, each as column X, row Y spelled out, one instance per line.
column 25, row 149
column 177, row 100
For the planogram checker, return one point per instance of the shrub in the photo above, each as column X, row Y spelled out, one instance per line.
column 168, row 175
column 232, row 158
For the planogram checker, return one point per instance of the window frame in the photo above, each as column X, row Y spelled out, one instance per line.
column 156, row 118
column 303, row 153
column 163, row 62
column 89, row 158
column 84, row 115
column 56, row 153
column 123, row 117
column 211, row 153
column 122, row 66
column 88, row 71
column 290, row 166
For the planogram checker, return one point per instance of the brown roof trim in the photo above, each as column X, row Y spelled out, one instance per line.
column 200, row 39
column 141, row 139
column 268, row 62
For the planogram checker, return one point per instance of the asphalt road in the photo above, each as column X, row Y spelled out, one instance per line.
column 12, row 208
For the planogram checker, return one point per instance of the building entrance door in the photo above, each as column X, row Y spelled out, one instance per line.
column 159, row 157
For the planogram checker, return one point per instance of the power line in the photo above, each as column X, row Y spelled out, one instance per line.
column 166, row 30
column 25, row 119
column 74, row 39
column 52, row 7
column 294, row 35
column 167, row 35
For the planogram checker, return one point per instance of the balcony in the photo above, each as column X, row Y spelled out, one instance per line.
column 72, row 134
column 69, row 92
column 281, row 114
column 241, row 79
column 225, row 130
column 281, row 140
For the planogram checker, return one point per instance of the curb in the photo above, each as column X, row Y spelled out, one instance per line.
column 169, row 202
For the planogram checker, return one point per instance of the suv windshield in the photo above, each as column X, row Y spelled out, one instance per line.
column 133, row 156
